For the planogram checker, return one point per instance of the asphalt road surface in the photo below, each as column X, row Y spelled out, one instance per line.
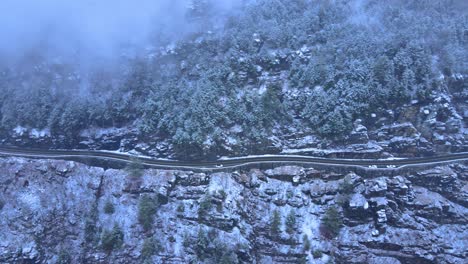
column 231, row 162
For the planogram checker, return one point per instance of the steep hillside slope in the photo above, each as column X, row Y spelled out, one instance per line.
column 369, row 76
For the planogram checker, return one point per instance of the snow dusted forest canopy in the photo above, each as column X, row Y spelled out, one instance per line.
column 197, row 72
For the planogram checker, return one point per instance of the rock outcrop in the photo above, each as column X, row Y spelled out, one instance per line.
column 53, row 211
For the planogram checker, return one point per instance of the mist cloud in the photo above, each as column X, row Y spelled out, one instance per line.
column 88, row 27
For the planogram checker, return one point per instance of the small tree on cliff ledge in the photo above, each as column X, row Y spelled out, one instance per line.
column 112, row 239
column 275, row 223
column 290, row 222
column 146, row 210
column 331, row 223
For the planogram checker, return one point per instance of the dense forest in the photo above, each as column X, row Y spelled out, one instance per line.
column 269, row 66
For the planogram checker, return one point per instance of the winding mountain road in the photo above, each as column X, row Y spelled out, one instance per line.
column 231, row 162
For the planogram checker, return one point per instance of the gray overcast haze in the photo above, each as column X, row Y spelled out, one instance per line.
column 88, row 27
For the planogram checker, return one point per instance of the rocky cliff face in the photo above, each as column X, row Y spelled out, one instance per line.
column 67, row 212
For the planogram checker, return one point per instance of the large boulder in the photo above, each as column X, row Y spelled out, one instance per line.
column 359, row 133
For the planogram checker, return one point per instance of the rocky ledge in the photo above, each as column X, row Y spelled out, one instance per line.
column 67, row 212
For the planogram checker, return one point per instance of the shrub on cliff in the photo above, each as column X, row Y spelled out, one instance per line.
column 275, row 223
column 90, row 234
column 210, row 248
column 112, row 239
column 306, row 243
column 64, row 257
column 317, row 253
column 201, row 244
column 332, row 223
column 181, row 208
column 205, row 206
column 109, row 207
column 146, row 210
column 150, row 247
column 290, row 222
